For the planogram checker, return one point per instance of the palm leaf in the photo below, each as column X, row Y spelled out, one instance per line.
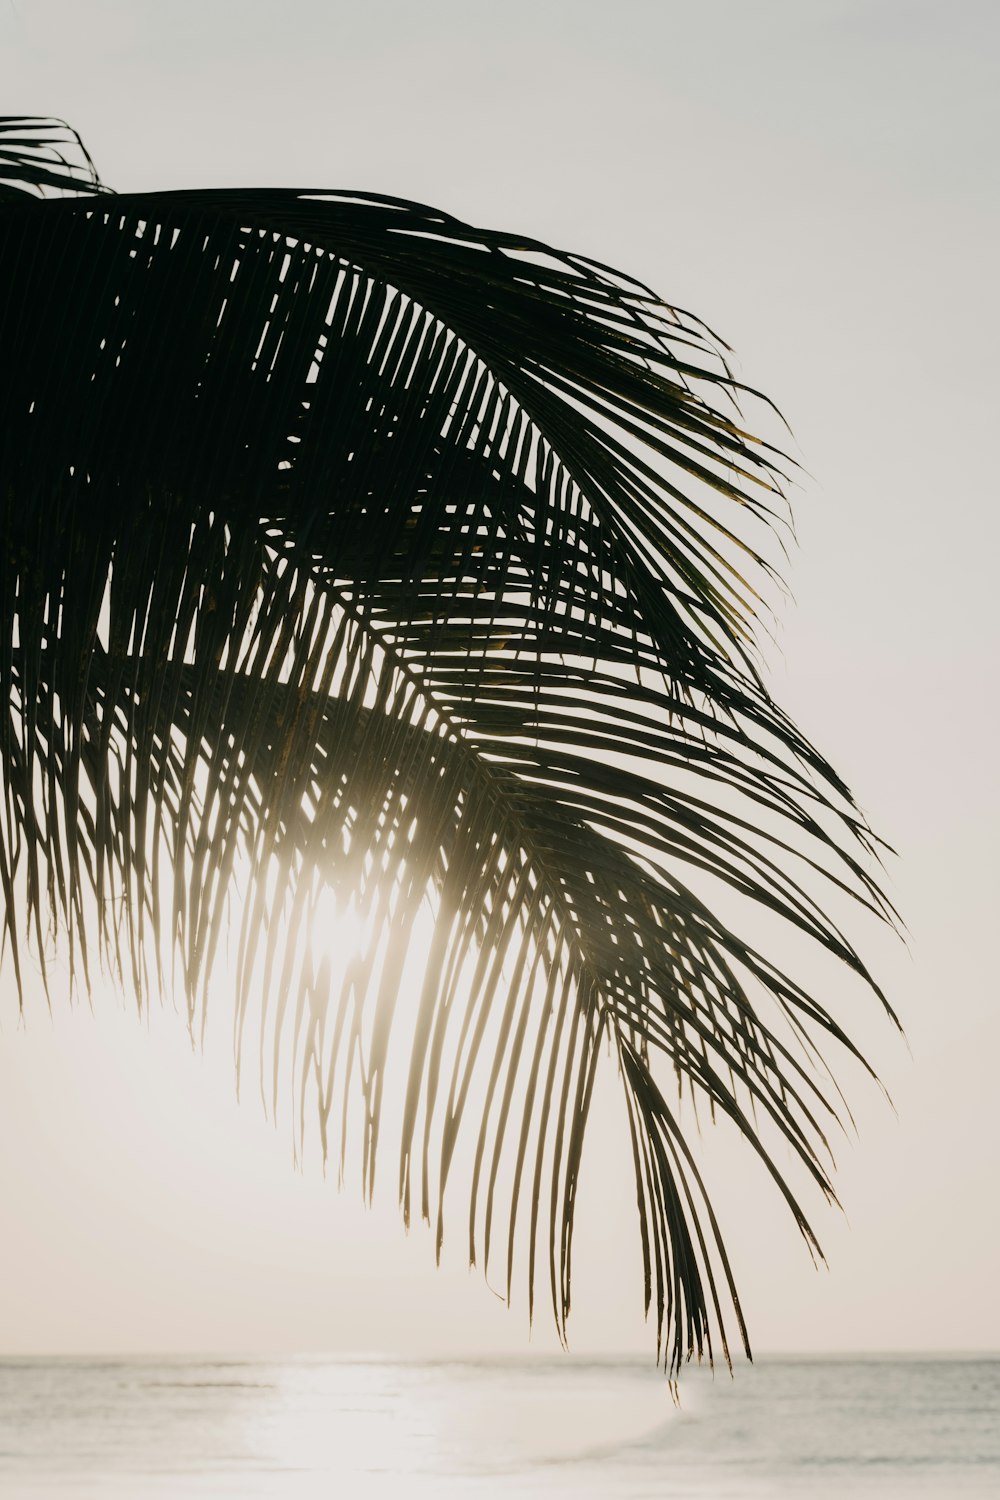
column 348, row 545
column 43, row 156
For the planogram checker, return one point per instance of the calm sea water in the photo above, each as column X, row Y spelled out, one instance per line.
column 810, row 1429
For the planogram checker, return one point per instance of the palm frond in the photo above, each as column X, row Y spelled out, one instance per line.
column 348, row 545
column 40, row 157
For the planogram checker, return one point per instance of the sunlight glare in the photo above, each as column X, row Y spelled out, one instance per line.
column 338, row 931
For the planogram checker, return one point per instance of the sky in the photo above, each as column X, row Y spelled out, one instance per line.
column 817, row 181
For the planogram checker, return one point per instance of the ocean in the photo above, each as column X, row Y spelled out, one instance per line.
column 813, row 1429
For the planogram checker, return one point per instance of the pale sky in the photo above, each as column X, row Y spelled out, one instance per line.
column 817, row 181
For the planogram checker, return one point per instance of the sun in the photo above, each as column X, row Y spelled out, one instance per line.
column 339, row 932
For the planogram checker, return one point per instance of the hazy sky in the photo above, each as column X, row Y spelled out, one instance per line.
column 818, row 181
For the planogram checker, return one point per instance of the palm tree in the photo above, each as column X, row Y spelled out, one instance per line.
column 349, row 547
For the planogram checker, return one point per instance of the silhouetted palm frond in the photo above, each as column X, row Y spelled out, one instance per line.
column 347, row 545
